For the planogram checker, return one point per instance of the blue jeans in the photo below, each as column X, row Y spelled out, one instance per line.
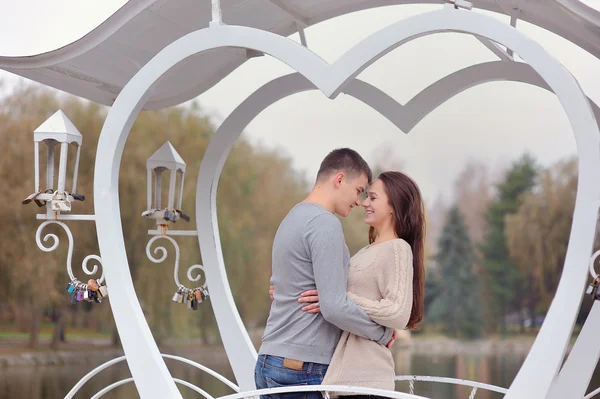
column 270, row 373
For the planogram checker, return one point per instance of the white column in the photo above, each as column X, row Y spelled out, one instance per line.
column 36, row 161
column 76, row 171
column 180, row 199
column 50, row 165
column 172, row 188
column 62, row 166
column 149, row 188
column 158, row 188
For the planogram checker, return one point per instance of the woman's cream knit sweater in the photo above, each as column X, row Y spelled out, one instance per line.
column 380, row 281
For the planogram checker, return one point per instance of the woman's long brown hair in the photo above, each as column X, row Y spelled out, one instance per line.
column 405, row 199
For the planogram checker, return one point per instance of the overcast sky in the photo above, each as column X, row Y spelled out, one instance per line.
column 494, row 123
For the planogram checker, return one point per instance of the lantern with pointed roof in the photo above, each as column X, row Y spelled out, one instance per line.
column 166, row 158
column 56, row 130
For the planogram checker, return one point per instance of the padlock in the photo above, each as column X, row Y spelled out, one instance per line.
column 73, row 297
column 60, row 205
column 177, row 297
column 170, row 216
column 78, row 197
column 31, row 197
column 92, row 285
column 182, row 215
column 60, row 202
column 148, row 212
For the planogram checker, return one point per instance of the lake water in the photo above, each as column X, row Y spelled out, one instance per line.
column 54, row 382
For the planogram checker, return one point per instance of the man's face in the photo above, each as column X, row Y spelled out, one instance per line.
column 349, row 193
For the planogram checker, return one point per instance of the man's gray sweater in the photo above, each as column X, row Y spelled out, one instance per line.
column 309, row 251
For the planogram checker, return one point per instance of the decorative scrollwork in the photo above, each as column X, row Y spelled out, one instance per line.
column 56, row 242
column 163, row 255
column 198, row 276
column 95, row 269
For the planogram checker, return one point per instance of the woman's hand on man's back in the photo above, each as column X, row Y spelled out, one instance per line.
column 311, row 297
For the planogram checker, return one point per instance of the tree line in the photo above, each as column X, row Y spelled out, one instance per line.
column 502, row 279
column 494, row 256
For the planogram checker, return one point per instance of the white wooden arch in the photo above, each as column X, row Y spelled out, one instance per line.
column 149, row 371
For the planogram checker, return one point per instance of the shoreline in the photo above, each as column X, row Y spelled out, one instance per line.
column 78, row 353
column 443, row 346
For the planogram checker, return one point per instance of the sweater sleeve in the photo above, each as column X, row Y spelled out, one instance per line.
column 394, row 268
column 325, row 240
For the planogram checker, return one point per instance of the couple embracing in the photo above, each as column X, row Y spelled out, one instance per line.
column 333, row 317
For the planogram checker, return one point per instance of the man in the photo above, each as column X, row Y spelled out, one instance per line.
column 309, row 252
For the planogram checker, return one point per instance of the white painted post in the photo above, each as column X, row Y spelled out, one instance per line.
column 172, row 188
column 62, row 167
column 76, row 171
column 216, row 13
column 158, row 188
column 149, row 188
column 50, row 165
column 180, row 198
column 36, row 161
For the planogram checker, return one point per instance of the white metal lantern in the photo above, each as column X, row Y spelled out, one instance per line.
column 56, row 130
column 59, row 130
column 166, row 158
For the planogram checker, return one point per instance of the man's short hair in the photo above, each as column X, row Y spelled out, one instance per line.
column 344, row 160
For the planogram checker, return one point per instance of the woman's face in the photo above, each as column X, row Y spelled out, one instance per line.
column 378, row 211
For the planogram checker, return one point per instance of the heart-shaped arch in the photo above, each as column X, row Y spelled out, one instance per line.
column 405, row 117
column 149, row 371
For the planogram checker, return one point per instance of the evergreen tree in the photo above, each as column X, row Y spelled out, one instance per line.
column 505, row 283
column 457, row 301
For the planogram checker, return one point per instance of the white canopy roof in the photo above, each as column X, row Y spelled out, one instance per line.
column 98, row 65
column 166, row 157
column 60, row 128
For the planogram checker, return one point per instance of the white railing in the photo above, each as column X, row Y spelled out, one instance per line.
column 474, row 384
column 239, row 395
column 268, row 391
column 248, row 394
column 128, row 380
column 320, row 388
column 109, row 363
column 446, row 380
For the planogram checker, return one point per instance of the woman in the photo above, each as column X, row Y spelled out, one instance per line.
column 386, row 279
